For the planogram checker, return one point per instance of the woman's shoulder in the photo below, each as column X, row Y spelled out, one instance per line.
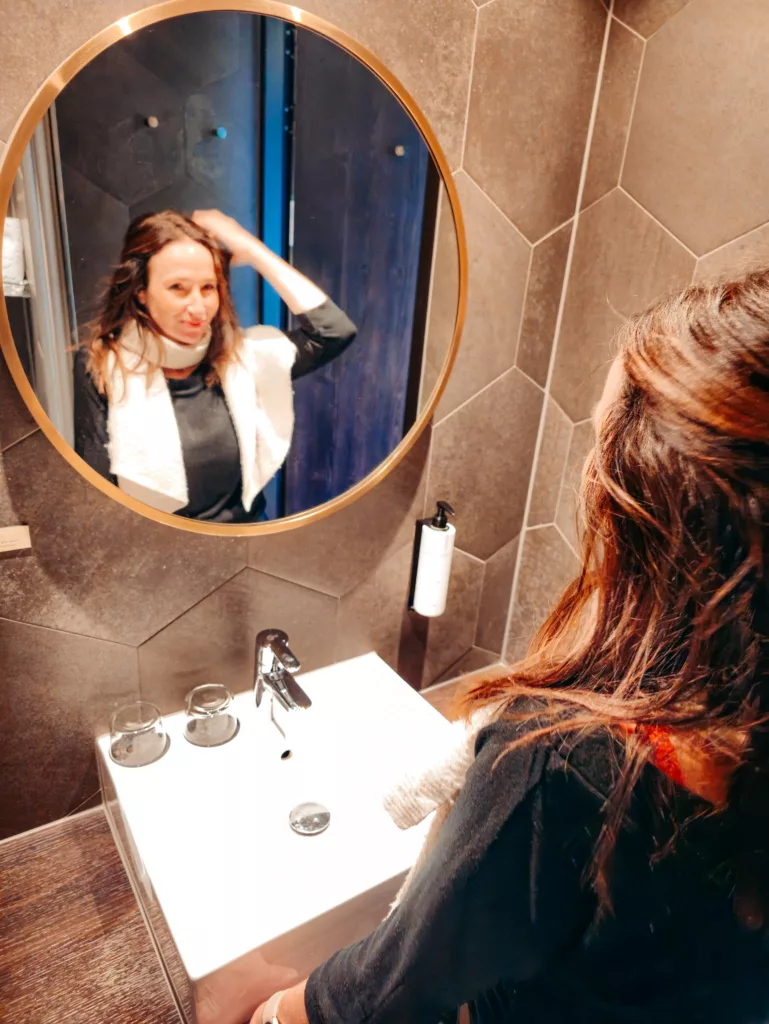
column 514, row 733
column 81, row 371
column 90, row 405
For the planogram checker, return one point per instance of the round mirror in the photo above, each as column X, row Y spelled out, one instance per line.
column 234, row 271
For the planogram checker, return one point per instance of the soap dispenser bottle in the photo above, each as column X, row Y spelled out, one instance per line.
column 433, row 562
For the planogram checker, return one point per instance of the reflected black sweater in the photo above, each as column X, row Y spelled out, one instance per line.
column 500, row 918
column 209, row 443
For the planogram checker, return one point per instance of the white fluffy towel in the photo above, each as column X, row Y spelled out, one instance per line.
column 144, row 447
column 432, row 781
column 13, row 255
column 435, row 773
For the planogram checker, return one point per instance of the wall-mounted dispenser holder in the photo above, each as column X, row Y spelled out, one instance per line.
column 431, row 565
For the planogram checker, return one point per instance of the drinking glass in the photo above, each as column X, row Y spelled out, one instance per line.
column 211, row 720
column 137, row 735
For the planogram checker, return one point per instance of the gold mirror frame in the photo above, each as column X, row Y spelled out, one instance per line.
column 20, row 137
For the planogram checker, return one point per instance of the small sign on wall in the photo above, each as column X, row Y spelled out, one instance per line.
column 14, row 540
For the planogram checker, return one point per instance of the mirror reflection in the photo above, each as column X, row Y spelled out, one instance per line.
column 219, row 267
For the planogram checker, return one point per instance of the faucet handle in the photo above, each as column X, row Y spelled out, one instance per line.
column 276, row 640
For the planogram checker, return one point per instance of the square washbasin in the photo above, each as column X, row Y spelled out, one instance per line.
column 237, row 904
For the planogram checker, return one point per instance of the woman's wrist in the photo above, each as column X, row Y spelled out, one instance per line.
column 271, row 1009
column 297, row 291
column 255, row 252
column 286, row 1006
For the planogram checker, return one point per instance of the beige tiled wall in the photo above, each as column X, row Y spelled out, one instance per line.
column 675, row 191
column 110, row 605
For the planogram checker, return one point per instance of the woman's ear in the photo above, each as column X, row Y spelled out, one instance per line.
column 141, row 295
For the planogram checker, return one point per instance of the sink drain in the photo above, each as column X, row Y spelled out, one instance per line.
column 309, row 819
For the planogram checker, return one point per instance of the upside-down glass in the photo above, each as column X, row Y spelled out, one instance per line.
column 137, row 735
column 211, row 720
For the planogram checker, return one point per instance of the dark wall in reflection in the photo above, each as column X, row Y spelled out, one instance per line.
column 361, row 176
column 193, row 74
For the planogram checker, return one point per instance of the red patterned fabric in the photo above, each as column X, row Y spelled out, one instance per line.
column 663, row 753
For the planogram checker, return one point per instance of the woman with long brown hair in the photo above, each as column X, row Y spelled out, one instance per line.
column 607, row 859
column 173, row 401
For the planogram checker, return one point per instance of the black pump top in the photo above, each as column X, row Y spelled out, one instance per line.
column 439, row 521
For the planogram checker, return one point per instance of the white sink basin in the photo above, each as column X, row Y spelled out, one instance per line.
column 237, row 904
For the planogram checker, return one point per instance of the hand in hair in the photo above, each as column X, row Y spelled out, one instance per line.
column 297, row 291
column 227, row 232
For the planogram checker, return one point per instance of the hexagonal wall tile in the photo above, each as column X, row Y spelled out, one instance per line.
column 615, row 105
column 481, row 462
column 214, row 641
column 547, row 565
column 695, row 156
column 550, row 465
column 97, row 568
column 87, row 204
column 103, row 133
column 371, row 614
column 748, row 252
column 543, row 298
column 194, row 50
column 582, row 441
column 335, row 554
column 128, row 160
column 495, row 598
column 533, row 83
column 499, row 263
column 427, row 45
column 92, row 100
column 623, row 261
column 474, row 660
column 65, row 686
column 31, row 55
column 184, row 195
column 647, row 16
column 16, row 421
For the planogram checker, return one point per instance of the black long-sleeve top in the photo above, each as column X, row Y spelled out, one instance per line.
column 209, row 444
column 500, row 916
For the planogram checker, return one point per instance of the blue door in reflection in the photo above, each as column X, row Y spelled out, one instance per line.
column 354, row 212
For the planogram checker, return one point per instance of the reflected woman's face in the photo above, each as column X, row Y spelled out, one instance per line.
column 182, row 296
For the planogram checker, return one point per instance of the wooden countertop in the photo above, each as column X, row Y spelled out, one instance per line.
column 74, row 946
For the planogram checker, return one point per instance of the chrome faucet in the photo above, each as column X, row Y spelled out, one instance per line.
column 274, row 663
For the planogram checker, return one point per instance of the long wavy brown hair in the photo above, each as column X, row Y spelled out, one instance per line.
column 666, row 624
column 145, row 237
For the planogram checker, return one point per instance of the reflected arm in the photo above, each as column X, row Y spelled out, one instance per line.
column 322, row 334
column 323, row 331
column 297, row 291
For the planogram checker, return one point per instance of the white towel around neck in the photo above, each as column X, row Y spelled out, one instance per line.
column 145, row 448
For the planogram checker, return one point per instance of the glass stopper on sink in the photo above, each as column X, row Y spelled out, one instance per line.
column 309, row 819
column 211, row 720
